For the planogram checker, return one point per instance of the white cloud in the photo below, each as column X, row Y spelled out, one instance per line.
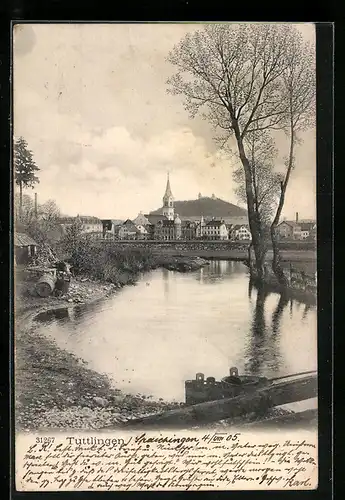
column 92, row 104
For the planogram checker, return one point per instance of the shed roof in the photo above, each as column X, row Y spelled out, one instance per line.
column 23, row 240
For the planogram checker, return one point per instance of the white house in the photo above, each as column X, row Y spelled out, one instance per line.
column 128, row 231
column 214, row 230
column 142, row 231
column 307, row 229
column 141, row 220
column 241, row 232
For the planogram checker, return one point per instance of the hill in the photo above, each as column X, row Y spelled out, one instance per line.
column 207, row 207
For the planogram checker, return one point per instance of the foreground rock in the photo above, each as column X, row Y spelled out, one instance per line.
column 184, row 264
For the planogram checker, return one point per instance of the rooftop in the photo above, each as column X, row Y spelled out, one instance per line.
column 23, row 240
column 215, row 223
column 154, row 218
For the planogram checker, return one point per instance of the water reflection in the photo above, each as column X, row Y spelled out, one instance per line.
column 217, row 271
column 59, row 315
column 165, row 275
column 152, row 337
column 307, row 308
column 278, row 312
column 263, row 349
column 250, row 289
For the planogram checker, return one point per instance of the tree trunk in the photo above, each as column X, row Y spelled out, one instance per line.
column 250, row 262
column 276, row 262
column 254, row 222
column 20, row 200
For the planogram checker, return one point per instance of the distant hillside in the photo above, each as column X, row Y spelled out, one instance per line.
column 208, row 207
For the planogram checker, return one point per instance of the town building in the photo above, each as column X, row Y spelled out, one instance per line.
column 214, row 230
column 141, row 220
column 296, row 230
column 143, row 232
column 188, row 230
column 308, row 230
column 289, row 230
column 240, row 232
column 25, row 248
column 128, row 231
column 111, row 228
column 167, row 229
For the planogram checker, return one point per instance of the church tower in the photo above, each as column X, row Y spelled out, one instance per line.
column 168, row 202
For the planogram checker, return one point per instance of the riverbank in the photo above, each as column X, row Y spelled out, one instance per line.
column 56, row 390
column 53, row 388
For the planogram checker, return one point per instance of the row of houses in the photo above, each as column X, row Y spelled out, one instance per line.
column 160, row 227
column 297, row 229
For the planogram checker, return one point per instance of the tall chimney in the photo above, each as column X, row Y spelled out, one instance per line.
column 296, row 217
column 36, row 211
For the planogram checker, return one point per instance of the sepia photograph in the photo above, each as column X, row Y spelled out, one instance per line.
column 165, row 261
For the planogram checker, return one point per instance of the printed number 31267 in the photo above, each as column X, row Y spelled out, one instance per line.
column 45, row 439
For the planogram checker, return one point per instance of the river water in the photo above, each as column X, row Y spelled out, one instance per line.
column 151, row 337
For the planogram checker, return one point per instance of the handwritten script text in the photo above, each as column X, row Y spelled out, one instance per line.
column 163, row 461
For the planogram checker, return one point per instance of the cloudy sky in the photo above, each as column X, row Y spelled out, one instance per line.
column 91, row 102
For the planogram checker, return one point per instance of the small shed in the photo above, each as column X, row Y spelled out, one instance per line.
column 25, row 248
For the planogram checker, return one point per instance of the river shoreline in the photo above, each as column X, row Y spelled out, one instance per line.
column 55, row 389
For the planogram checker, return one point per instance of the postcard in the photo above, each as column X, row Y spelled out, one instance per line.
column 165, row 333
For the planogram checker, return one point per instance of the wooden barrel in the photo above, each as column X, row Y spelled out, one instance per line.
column 45, row 285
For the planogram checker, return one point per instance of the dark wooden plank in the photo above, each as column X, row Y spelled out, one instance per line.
column 212, row 411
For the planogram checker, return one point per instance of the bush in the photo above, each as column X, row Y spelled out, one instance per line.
column 104, row 262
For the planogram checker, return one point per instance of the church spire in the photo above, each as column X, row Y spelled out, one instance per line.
column 168, row 202
column 168, row 192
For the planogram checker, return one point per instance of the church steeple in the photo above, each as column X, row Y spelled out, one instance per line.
column 168, row 201
column 168, row 192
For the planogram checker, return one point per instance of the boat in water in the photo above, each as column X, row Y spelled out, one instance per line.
column 201, row 390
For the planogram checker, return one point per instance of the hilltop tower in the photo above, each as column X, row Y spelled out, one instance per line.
column 168, row 202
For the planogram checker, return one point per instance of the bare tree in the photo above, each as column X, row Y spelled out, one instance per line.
column 49, row 212
column 299, row 93
column 265, row 184
column 37, row 225
column 234, row 75
column 24, row 208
